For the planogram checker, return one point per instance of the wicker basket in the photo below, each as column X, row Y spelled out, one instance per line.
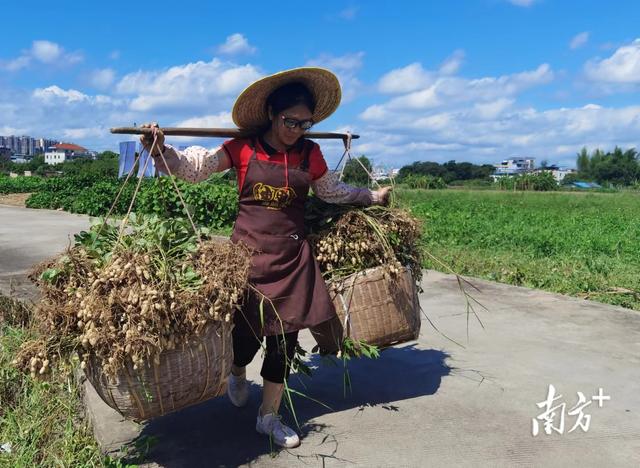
column 374, row 307
column 195, row 372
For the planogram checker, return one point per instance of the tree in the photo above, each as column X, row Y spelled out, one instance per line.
column 354, row 174
column 582, row 163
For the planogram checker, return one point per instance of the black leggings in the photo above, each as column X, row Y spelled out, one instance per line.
column 274, row 366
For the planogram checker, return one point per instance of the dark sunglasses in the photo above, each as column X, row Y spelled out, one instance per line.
column 293, row 123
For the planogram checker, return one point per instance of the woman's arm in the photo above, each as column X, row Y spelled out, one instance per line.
column 329, row 188
column 194, row 164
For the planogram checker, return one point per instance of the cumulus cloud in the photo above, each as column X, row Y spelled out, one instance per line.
column 453, row 63
column 346, row 67
column 196, row 86
column 622, row 67
column 428, row 90
column 579, row 40
column 42, row 51
column 406, row 79
column 219, row 120
column 439, row 118
column 192, row 94
column 464, row 134
column 55, row 94
column 46, row 51
column 236, row 44
column 102, row 79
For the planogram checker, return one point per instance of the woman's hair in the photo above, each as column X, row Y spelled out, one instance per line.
column 289, row 95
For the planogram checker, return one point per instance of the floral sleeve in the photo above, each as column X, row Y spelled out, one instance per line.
column 330, row 189
column 194, row 164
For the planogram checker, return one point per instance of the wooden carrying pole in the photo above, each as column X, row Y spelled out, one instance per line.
column 219, row 132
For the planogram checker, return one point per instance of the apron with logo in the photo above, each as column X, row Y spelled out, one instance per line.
column 290, row 292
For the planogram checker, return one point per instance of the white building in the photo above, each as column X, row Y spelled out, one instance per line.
column 558, row 173
column 55, row 157
column 514, row 166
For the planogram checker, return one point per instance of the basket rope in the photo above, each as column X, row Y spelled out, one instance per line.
column 135, row 193
column 347, row 152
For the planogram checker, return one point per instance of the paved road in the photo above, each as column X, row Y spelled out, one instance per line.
column 28, row 236
column 428, row 403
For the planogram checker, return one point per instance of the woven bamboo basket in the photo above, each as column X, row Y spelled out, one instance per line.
column 373, row 306
column 189, row 374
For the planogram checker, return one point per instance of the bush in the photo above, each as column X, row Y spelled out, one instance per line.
column 424, row 182
column 20, row 184
column 210, row 204
column 541, row 182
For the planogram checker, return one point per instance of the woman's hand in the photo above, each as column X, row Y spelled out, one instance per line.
column 381, row 196
column 147, row 138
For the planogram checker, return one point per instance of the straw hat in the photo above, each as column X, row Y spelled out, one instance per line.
column 250, row 111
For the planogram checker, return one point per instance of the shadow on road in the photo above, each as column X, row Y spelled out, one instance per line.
column 215, row 433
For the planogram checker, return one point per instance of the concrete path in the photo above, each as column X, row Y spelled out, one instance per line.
column 428, row 403
column 28, row 236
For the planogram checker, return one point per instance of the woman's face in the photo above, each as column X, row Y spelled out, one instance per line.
column 289, row 136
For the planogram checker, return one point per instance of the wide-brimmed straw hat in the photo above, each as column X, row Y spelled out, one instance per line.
column 250, row 110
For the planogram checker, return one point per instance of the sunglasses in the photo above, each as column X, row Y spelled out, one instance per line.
column 293, row 123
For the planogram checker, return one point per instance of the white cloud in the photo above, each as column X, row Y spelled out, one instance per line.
column 346, row 67
column 440, row 118
column 47, row 52
column 406, row 79
column 622, row 67
column 194, row 86
column 114, row 55
column 236, row 44
column 579, row 40
column 464, row 134
column 102, row 79
column 82, row 133
column 16, row 64
column 220, row 120
column 452, row 64
column 430, row 91
column 55, row 94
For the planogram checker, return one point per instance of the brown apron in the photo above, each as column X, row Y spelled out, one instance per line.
column 292, row 293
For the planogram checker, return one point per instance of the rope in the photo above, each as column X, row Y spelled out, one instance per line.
column 176, row 187
column 347, row 152
column 117, row 198
column 135, row 193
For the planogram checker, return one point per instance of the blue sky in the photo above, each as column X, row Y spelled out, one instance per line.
column 473, row 80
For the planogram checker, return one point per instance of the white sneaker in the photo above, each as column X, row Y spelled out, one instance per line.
column 271, row 425
column 238, row 390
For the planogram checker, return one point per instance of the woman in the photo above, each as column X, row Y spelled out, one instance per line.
column 275, row 171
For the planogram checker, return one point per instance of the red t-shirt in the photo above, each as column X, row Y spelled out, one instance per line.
column 240, row 151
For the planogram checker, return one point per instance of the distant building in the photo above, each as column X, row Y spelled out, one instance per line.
column 380, row 173
column 25, row 145
column 62, row 152
column 5, row 153
column 514, row 166
column 558, row 173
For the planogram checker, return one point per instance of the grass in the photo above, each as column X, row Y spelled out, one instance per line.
column 585, row 245
column 40, row 420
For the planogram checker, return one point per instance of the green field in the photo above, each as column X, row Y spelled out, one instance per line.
column 582, row 244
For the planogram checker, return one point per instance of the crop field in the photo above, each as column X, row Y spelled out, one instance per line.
column 581, row 244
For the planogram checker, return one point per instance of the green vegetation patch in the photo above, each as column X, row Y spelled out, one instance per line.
column 586, row 245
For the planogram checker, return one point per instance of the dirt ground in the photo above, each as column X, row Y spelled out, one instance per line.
column 14, row 199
